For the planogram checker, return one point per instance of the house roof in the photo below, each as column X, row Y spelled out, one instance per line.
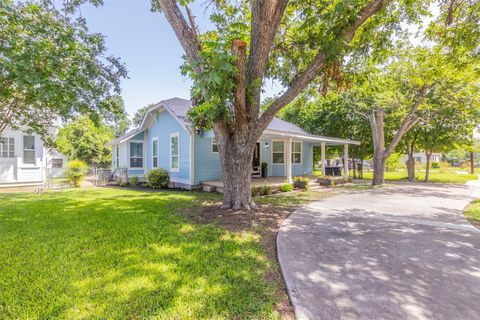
column 179, row 107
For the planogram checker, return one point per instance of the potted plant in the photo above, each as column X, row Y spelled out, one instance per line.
column 264, row 169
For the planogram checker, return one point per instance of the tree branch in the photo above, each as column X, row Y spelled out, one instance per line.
column 266, row 18
column 239, row 50
column 191, row 19
column 304, row 78
column 185, row 34
column 408, row 122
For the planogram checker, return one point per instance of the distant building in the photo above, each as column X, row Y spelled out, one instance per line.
column 421, row 158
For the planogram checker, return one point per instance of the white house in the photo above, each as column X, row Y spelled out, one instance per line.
column 25, row 161
column 421, row 158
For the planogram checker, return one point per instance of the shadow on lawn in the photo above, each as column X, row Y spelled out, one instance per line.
column 126, row 255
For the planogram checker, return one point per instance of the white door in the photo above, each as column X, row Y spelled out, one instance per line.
column 7, row 170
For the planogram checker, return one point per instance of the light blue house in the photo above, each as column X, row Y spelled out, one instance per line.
column 166, row 139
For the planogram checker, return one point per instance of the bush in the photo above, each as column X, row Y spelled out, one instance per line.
column 255, row 191
column 134, row 181
column 444, row 166
column 158, row 178
column 393, row 162
column 76, row 172
column 332, row 181
column 286, row 187
column 265, row 190
column 301, row 182
column 435, row 165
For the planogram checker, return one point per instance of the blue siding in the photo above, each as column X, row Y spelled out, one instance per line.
column 207, row 163
column 307, row 158
column 279, row 170
column 165, row 125
column 135, row 172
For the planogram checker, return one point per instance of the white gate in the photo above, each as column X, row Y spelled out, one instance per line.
column 7, row 170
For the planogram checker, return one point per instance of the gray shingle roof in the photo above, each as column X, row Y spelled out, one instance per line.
column 180, row 108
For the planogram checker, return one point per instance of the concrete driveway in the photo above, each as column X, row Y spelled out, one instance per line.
column 402, row 252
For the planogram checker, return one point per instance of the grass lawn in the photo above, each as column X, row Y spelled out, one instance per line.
column 472, row 213
column 113, row 253
column 435, row 176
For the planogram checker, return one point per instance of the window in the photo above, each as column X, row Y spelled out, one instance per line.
column 296, row 152
column 174, row 154
column 136, row 154
column 155, row 153
column 117, row 156
column 214, row 145
column 29, row 149
column 278, row 154
column 57, row 163
column 7, row 147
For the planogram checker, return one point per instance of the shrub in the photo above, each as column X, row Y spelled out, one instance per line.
column 265, row 190
column 134, row 181
column 435, row 165
column 301, row 182
column 255, row 191
column 76, row 172
column 158, row 178
column 393, row 162
column 444, row 166
column 286, row 187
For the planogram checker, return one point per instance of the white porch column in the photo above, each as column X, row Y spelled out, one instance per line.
column 323, row 145
column 289, row 159
column 345, row 160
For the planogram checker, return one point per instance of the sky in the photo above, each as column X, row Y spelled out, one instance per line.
column 145, row 42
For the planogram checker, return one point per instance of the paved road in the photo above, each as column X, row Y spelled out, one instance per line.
column 403, row 252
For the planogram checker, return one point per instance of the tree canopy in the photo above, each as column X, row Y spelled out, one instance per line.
column 51, row 66
column 82, row 139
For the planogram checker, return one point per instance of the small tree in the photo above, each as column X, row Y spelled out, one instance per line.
column 76, row 172
column 84, row 140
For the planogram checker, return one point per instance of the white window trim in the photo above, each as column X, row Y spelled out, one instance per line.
column 143, row 154
column 284, row 152
column 155, row 140
column 211, row 146
column 301, row 152
column 117, row 156
column 173, row 135
column 8, row 147
column 34, row 164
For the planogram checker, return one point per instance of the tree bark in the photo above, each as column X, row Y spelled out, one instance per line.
column 353, row 164
column 410, row 163
column 472, row 162
column 376, row 119
column 428, row 155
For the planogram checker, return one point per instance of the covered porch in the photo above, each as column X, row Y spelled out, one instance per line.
column 297, row 149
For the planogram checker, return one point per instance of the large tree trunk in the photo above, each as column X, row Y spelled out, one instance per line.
column 428, row 155
column 237, row 169
column 377, row 126
column 378, row 169
column 410, row 163
column 472, row 163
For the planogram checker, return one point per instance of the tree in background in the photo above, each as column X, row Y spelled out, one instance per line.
column 330, row 116
column 120, row 124
column 51, row 67
column 453, row 111
column 82, row 139
column 139, row 114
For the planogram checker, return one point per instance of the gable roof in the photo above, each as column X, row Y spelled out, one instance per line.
column 179, row 107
